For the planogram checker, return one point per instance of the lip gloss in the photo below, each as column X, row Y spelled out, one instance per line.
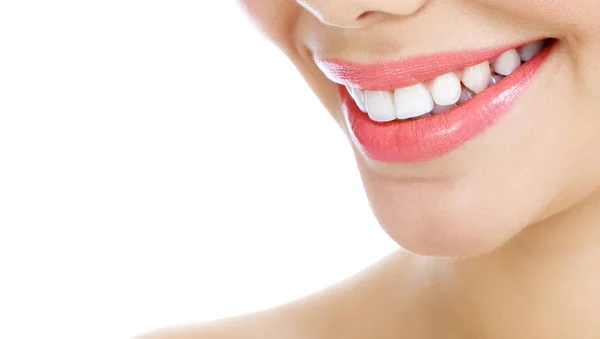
column 406, row 141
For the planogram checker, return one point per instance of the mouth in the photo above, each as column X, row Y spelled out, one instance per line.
column 421, row 108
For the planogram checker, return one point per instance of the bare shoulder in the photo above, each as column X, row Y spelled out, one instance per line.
column 259, row 325
column 367, row 305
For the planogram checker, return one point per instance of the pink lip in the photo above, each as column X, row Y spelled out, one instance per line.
column 406, row 141
column 387, row 76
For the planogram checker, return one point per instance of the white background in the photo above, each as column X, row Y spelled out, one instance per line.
column 162, row 163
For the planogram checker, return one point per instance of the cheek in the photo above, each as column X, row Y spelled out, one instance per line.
column 568, row 17
column 275, row 18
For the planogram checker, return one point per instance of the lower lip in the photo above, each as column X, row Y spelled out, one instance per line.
column 434, row 136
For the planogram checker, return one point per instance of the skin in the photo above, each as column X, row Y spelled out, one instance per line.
column 503, row 234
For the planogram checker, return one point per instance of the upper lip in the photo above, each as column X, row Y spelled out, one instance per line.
column 390, row 75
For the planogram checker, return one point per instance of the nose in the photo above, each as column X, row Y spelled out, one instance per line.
column 359, row 13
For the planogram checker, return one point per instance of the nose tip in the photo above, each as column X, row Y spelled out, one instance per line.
column 359, row 13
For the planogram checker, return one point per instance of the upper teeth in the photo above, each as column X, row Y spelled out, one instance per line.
column 477, row 78
column 507, row 62
column 445, row 89
column 444, row 92
column 412, row 101
column 529, row 51
column 380, row 105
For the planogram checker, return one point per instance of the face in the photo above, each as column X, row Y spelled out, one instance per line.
column 470, row 119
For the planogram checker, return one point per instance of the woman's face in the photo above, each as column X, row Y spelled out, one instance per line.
column 464, row 181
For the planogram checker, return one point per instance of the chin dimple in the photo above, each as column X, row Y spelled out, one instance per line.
column 444, row 92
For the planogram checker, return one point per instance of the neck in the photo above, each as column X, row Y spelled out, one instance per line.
column 573, row 232
column 545, row 281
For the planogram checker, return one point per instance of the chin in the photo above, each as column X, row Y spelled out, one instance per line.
column 445, row 231
column 462, row 216
column 444, row 238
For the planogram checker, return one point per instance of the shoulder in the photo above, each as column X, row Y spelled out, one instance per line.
column 264, row 325
column 367, row 305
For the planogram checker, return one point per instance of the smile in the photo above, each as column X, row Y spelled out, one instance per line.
column 424, row 107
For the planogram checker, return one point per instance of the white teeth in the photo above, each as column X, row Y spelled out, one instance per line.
column 465, row 95
column 495, row 79
column 445, row 92
column 477, row 78
column 445, row 89
column 359, row 97
column 507, row 62
column 380, row 105
column 529, row 51
column 441, row 109
column 412, row 101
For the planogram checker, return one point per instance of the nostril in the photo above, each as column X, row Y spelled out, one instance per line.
column 369, row 18
column 364, row 15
